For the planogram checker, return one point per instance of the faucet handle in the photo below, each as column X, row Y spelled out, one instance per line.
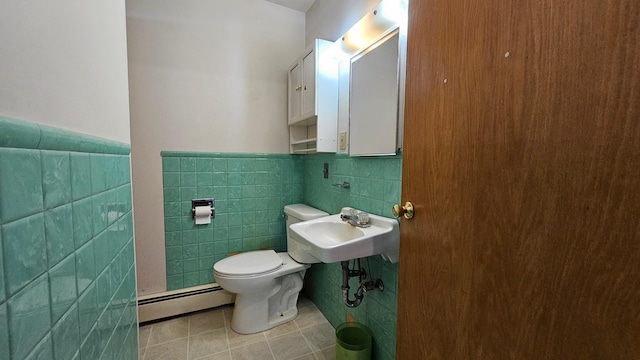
column 363, row 218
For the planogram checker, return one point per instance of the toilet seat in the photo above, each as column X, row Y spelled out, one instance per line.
column 253, row 263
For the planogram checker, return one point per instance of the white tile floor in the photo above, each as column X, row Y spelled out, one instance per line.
column 208, row 335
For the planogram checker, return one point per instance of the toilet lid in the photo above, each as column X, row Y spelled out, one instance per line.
column 249, row 263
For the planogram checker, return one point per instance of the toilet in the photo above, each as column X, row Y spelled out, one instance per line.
column 266, row 283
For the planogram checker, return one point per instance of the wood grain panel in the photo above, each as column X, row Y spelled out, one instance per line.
column 522, row 157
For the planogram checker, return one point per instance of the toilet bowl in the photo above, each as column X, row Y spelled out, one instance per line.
column 266, row 283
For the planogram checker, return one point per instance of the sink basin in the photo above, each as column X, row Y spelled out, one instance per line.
column 329, row 239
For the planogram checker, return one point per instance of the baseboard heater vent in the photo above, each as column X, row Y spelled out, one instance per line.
column 173, row 303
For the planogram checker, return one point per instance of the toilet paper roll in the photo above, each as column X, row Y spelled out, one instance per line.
column 203, row 215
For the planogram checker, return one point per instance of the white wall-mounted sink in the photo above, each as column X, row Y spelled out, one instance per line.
column 329, row 239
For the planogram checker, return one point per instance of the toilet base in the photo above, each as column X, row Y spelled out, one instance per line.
column 258, row 312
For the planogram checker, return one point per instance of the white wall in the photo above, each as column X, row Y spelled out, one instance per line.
column 204, row 75
column 64, row 64
column 330, row 19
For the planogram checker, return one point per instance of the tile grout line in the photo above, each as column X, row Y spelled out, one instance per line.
column 144, row 355
column 226, row 332
column 308, row 343
column 188, row 337
column 268, row 344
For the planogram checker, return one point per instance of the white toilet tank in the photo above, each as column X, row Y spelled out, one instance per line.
column 296, row 213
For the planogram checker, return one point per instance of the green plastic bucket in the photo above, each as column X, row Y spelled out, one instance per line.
column 353, row 342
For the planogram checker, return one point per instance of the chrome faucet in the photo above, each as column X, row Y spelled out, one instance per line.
column 356, row 218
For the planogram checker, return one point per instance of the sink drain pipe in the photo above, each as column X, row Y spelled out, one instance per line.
column 364, row 285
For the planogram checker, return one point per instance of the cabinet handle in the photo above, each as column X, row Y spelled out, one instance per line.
column 298, row 87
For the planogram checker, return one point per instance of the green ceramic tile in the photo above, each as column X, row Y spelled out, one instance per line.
column 219, row 165
column 174, row 282
column 173, row 238
column 189, row 251
column 172, row 194
column 191, row 279
column 188, row 193
column 171, row 179
column 99, row 213
column 89, row 349
column 101, row 249
column 42, row 351
column 219, row 178
column 124, row 169
column 187, row 164
column 221, row 233
column 205, row 234
column 80, row 165
column 204, row 179
column 124, row 197
column 174, row 267
column 190, row 265
column 172, row 224
column 392, row 191
column 82, row 213
column 206, row 277
column 205, row 192
column 172, row 209
column 236, row 178
column 3, row 295
column 21, row 185
column 392, row 169
column 189, row 237
column 173, row 253
column 29, row 317
column 112, row 171
column 187, row 179
column 66, row 336
column 18, row 134
column 234, row 192
column 58, row 227
column 85, row 267
column 87, row 311
column 170, row 164
column 98, row 173
column 234, row 165
column 204, row 164
column 56, row 178
column 105, row 322
column 205, row 249
column 103, row 289
column 4, row 331
column 113, row 210
column 25, row 251
column 62, row 282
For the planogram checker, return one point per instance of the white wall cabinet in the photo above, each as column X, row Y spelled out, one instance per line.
column 313, row 100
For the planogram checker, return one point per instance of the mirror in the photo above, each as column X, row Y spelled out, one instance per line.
column 374, row 94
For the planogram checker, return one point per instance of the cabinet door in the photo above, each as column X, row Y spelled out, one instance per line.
column 308, row 84
column 295, row 92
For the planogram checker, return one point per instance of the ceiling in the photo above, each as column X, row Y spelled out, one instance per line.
column 300, row 5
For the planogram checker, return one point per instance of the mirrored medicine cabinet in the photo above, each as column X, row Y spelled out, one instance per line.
column 374, row 98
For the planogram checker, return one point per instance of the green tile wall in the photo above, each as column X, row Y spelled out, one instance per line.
column 67, row 272
column 375, row 188
column 250, row 192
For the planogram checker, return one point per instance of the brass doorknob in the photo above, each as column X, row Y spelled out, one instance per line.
column 406, row 210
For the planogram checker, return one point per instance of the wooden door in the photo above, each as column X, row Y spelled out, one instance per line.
column 522, row 158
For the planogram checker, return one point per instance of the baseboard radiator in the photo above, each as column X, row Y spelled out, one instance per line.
column 183, row 301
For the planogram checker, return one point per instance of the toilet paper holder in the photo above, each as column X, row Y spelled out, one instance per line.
column 203, row 202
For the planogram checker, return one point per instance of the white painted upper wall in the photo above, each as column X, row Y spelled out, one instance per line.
column 64, row 64
column 208, row 76
column 330, row 19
